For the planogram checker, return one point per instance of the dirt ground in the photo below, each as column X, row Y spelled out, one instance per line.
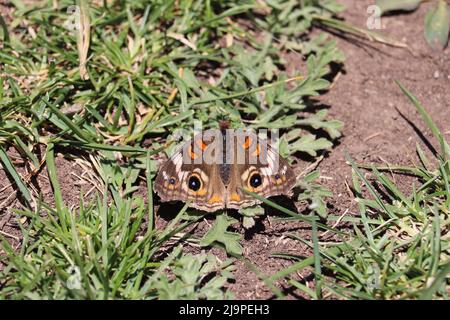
column 381, row 126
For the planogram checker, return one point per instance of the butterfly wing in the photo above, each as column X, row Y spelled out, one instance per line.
column 263, row 172
column 187, row 177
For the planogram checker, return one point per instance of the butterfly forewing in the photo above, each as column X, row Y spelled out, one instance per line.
column 191, row 175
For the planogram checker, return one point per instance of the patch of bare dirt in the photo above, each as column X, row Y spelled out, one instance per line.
column 69, row 176
column 381, row 126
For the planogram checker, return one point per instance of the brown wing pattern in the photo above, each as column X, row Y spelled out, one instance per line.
column 264, row 172
column 194, row 173
column 187, row 177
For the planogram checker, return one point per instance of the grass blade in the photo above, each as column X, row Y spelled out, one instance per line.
column 9, row 167
column 445, row 150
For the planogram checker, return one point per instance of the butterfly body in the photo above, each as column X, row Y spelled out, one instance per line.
column 212, row 170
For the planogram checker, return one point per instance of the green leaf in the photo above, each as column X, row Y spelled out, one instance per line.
column 437, row 26
column 219, row 233
column 310, row 145
column 314, row 193
column 319, row 206
column 286, row 122
column 248, row 222
column 332, row 6
column 402, row 5
column 318, row 121
column 252, row 211
column 438, row 281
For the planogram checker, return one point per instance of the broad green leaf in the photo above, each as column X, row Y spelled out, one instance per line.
column 394, row 5
column 219, row 233
column 270, row 68
column 248, row 222
column 332, row 6
column 318, row 121
column 314, row 193
column 310, row 145
column 252, row 211
column 285, row 122
column 437, row 26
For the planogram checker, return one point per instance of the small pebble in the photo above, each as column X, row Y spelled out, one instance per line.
column 436, row 74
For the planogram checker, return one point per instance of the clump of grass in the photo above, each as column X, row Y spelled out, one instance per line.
column 132, row 73
column 400, row 246
column 153, row 68
column 106, row 250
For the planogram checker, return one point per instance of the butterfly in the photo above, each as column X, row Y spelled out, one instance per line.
column 211, row 171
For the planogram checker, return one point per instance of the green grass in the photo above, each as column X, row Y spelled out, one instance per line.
column 134, row 74
column 106, row 250
column 399, row 247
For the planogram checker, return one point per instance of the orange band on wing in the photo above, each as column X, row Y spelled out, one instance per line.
column 170, row 186
column 215, row 199
column 192, row 153
column 201, row 192
column 257, row 151
column 247, row 143
column 235, row 197
column 280, row 180
column 202, row 145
